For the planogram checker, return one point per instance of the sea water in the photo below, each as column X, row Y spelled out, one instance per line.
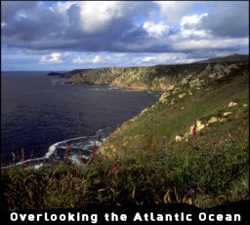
column 38, row 111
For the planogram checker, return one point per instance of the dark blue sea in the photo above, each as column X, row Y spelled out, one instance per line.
column 38, row 110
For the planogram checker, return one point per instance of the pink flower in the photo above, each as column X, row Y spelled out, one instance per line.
column 194, row 129
column 115, row 167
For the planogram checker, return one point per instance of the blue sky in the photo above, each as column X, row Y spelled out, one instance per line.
column 68, row 35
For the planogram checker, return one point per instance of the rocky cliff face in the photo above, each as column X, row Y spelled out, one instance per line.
column 158, row 78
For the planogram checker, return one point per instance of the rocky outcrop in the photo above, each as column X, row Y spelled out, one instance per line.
column 55, row 74
column 161, row 77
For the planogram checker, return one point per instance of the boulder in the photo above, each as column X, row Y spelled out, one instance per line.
column 227, row 113
column 181, row 95
column 231, row 104
column 178, row 138
column 212, row 120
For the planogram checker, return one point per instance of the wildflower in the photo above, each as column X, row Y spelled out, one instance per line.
column 191, row 192
column 115, row 166
column 229, row 137
column 194, row 129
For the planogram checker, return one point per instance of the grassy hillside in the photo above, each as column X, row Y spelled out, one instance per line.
column 155, row 157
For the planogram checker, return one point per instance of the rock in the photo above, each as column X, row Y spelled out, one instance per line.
column 164, row 96
column 212, row 120
column 144, row 110
column 231, row 104
column 215, row 119
column 186, row 80
column 54, row 74
column 212, row 75
column 181, row 95
column 178, row 138
column 227, row 113
column 199, row 125
column 221, row 119
column 194, row 83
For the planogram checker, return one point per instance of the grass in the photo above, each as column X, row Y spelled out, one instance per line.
column 151, row 177
column 210, row 169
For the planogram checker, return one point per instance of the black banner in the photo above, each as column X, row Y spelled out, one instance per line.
column 233, row 213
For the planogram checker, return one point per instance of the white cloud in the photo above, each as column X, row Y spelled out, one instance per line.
column 62, row 7
column 97, row 14
column 210, row 44
column 173, row 10
column 55, row 57
column 121, row 54
column 99, row 59
column 156, row 30
column 189, row 24
column 172, row 58
column 93, row 60
column 79, row 60
column 149, row 58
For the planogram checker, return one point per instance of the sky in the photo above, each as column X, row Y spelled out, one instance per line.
column 67, row 35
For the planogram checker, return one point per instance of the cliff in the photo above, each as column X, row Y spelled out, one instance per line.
column 158, row 78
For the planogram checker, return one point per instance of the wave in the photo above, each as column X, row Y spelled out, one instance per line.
column 75, row 150
column 58, row 81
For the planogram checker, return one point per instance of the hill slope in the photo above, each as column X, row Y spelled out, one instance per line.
column 213, row 161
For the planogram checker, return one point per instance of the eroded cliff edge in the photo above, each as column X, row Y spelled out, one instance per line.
column 157, row 78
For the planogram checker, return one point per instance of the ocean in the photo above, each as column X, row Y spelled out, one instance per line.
column 38, row 111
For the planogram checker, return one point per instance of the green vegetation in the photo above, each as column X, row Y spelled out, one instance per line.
column 142, row 162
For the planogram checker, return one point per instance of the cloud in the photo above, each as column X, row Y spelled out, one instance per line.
column 55, row 57
column 173, row 10
column 175, row 58
column 228, row 19
column 97, row 59
column 156, row 30
column 102, row 29
column 230, row 44
column 79, row 60
column 96, row 16
column 189, row 26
